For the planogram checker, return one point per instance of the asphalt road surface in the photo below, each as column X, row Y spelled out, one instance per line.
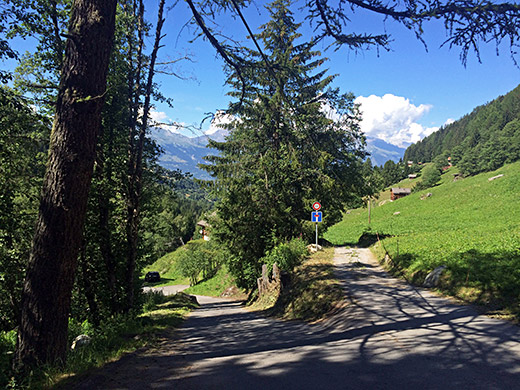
column 167, row 290
column 389, row 336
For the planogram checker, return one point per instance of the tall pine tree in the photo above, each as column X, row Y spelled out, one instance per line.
column 294, row 140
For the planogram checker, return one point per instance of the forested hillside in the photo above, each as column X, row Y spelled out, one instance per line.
column 481, row 141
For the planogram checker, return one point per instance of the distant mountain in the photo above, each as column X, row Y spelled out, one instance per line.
column 185, row 153
column 381, row 151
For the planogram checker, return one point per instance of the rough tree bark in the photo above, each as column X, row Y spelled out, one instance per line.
column 42, row 334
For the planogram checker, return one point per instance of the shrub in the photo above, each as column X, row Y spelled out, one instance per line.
column 7, row 346
column 286, row 255
column 200, row 257
column 151, row 299
column 430, row 177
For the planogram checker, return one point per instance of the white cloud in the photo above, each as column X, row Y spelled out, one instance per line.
column 160, row 119
column 393, row 119
column 220, row 118
column 449, row 121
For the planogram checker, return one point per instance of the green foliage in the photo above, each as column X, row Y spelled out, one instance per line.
column 170, row 219
column 469, row 225
column 199, row 258
column 481, row 141
column 373, row 179
column 283, row 152
column 168, row 268
column 167, row 219
column 115, row 336
column 430, row 177
column 152, row 299
column 286, row 255
column 23, row 145
column 7, row 346
column 214, row 286
column 391, row 173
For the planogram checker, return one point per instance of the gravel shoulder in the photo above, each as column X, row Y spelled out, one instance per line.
column 389, row 336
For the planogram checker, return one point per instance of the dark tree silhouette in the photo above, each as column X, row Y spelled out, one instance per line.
column 42, row 335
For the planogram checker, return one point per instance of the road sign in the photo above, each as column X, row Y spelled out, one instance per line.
column 316, row 206
column 316, row 216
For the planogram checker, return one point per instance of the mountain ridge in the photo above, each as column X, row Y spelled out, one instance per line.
column 185, row 153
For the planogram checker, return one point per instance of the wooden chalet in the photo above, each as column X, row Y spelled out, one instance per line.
column 204, row 229
column 397, row 193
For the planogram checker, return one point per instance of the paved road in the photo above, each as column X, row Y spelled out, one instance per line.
column 167, row 290
column 390, row 336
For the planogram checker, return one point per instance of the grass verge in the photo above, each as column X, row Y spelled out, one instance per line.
column 114, row 338
column 312, row 295
column 222, row 283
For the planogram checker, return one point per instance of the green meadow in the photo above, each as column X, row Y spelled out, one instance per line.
column 472, row 226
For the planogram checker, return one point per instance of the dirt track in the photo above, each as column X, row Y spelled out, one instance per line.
column 390, row 336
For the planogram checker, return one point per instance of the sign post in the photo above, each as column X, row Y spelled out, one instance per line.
column 316, row 216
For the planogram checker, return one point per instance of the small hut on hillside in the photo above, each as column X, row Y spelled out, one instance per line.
column 204, row 225
column 397, row 193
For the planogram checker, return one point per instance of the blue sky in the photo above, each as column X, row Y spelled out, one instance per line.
column 405, row 94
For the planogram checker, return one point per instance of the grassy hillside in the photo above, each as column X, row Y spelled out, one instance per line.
column 170, row 268
column 167, row 268
column 472, row 226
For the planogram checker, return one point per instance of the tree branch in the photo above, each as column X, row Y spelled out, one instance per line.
column 467, row 22
column 214, row 42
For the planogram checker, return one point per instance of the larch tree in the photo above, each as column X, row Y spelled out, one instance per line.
column 42, row 335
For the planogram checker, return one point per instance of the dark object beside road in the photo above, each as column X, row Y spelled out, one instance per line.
column 152, row 277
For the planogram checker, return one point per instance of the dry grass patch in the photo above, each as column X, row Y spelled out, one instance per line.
column 313, row 293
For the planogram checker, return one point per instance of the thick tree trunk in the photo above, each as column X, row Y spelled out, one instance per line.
column 42, row 335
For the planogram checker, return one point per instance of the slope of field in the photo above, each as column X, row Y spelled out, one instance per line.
column 168, row 269
column 472, row 226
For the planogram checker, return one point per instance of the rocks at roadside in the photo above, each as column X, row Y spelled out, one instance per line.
column 432, row 279
column 313, row 248
column 80, row 341
column 495, row 177
column 230, row 292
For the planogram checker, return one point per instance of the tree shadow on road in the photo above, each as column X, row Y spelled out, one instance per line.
column 237, row 349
